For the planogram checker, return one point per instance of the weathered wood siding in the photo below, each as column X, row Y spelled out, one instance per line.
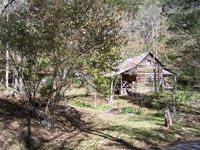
column 145, row 70
column 141, row 78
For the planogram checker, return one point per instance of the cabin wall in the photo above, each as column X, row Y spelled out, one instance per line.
column 146, row 70
column 142, row 77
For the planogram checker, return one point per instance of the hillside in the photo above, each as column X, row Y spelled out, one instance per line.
column 78, row 125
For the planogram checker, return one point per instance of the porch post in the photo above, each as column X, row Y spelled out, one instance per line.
column 162, row 78
column 111, row 91
column 175, row 82
column 121, row 86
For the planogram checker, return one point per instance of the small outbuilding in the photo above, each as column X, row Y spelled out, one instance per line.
column 141, row 74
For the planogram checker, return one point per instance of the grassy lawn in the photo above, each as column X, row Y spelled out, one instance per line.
column 122, row 125
column 146, row 128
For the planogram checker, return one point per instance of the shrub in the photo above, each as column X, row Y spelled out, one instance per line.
column 129, row 110
column 159, row 114
column 82, row 104
column 47, row 87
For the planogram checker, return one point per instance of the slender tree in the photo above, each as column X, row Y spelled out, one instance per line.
column 55, row 40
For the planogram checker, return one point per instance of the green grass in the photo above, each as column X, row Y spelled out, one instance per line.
column 146, row 129
column 158, row 114
column 108, row 130
column 129, row 110
column 87, row 104
column 82, row 104
column 104, row 107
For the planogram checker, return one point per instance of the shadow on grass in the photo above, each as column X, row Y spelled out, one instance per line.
column 69, row 124
column 154, row 138
column 190, row 110
column 158, row 101
column 73, row 127
column 10, row 110
column 75, row 120
column 151, row 101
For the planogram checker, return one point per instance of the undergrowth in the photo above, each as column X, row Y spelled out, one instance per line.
column 80, row 103
column 129, row 110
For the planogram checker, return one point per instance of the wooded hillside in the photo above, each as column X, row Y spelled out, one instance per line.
column 75, row 32
column 49, row 47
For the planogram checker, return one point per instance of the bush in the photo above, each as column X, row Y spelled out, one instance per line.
column 129, row 110
column 159, row 114
column 182, row 96
column 82, row 104
column 47, row 88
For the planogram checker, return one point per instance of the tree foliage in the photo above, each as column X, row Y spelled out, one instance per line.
column 58, row 39
column 183, row 19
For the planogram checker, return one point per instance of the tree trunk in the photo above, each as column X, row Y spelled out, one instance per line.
column 15, row 83
column 7, row 63
column 47, row 106
column 21, row 85
column 168, row 118
column 28, row 139
column 155, row 76
column 7, row 66
column 95, row 99
column 64, row 73
column 111, row 91
column 32, row 104
column 21, row 88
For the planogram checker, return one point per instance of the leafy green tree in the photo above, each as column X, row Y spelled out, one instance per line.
column 54, row 40
column 184, row 23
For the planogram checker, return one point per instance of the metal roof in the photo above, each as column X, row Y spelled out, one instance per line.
column 167, row 72
column 132, row 62
column 127, row 64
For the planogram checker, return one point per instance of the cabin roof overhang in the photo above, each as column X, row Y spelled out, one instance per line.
column 131, row 63
column 167, row 72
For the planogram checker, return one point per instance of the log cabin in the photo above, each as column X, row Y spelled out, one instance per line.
column 142, row 73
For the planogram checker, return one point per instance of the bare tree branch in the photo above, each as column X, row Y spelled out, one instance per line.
column 8, row 4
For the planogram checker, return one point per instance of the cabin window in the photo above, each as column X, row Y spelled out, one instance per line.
column 149, row 62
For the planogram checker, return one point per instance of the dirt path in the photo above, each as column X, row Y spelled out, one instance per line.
column 192, row 145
